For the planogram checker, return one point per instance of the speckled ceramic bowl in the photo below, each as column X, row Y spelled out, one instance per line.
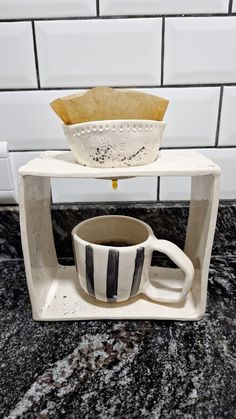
column 115, row 143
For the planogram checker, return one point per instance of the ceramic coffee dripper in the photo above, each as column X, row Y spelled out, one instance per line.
column 113, row 274
column 115, row 143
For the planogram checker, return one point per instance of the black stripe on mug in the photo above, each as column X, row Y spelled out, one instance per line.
column 89, row 263
column 138, row 267
column 112, row 275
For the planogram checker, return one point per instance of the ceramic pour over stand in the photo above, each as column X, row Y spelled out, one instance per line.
column 52, row 289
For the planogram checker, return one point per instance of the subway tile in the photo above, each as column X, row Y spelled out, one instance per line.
column 17, row 68
column 148, row 7
column 7, row 192
column 27, row 121
column 135, row 189
column 173, row 188
column 7, row 197
column 6, row 179
column 93, row 190
column 3, row 149
column 99, row 52
column 200, row 50
column 226, row 159
column 43, row 129
column 227, row 135
column 18, row 159
column 13, row 9
column 183, row 128
column 178, row 188
column 191, row 116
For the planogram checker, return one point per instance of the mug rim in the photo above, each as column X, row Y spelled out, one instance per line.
column 123, row 248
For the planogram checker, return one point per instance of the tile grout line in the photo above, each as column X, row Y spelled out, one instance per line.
column 121, row 17
column 35, row 54
column 166, row 86
column 219, row 116
column 97, row 8
column 162, row 50
column 230, row 6
column 158, row 188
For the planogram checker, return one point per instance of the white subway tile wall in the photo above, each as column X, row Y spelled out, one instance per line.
column 17, row 64
column 6, row 179
column 191, row 118
column 80, row 44
column 228, row 118
column 175, row 189
column 18, row 160
column 99, row 52
column 15, row 9
column 89, row 190
column 179, row 188
column 7, row 187
column 27, row 121
column 146, row 7
column 191, row 115
column 7, row 197
column 200, row 50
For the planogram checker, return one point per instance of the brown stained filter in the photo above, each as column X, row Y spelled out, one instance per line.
column 105, row 103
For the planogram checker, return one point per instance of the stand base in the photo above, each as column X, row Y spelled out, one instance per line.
column 66, row 302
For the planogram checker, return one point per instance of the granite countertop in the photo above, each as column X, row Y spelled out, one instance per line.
column 118, row 369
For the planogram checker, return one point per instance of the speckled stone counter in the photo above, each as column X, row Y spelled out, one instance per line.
column 131, row 369
column 122, row 369
column 167, row 219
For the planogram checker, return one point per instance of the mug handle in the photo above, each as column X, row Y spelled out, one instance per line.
column 181, row 260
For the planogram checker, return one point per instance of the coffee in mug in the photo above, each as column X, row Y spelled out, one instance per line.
column 113, row 255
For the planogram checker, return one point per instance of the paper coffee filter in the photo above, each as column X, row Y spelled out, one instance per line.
column 105, row 103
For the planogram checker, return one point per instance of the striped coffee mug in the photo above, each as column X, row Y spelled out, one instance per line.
column 113, row 254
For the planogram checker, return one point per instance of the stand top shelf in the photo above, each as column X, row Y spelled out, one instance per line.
column 169, row 163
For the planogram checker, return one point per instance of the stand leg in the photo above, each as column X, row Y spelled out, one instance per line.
column 200, row 233
column 37, row 239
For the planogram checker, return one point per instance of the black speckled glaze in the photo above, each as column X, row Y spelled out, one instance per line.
column 168, row 220
column 122, row 369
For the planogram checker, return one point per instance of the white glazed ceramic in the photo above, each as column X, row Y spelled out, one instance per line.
column 53, row 288
column 114, row 274
column 115, row 143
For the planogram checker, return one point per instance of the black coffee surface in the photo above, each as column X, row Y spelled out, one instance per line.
column 116, row 243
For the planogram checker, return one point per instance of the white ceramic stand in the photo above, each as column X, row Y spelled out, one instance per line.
column 52, row 289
